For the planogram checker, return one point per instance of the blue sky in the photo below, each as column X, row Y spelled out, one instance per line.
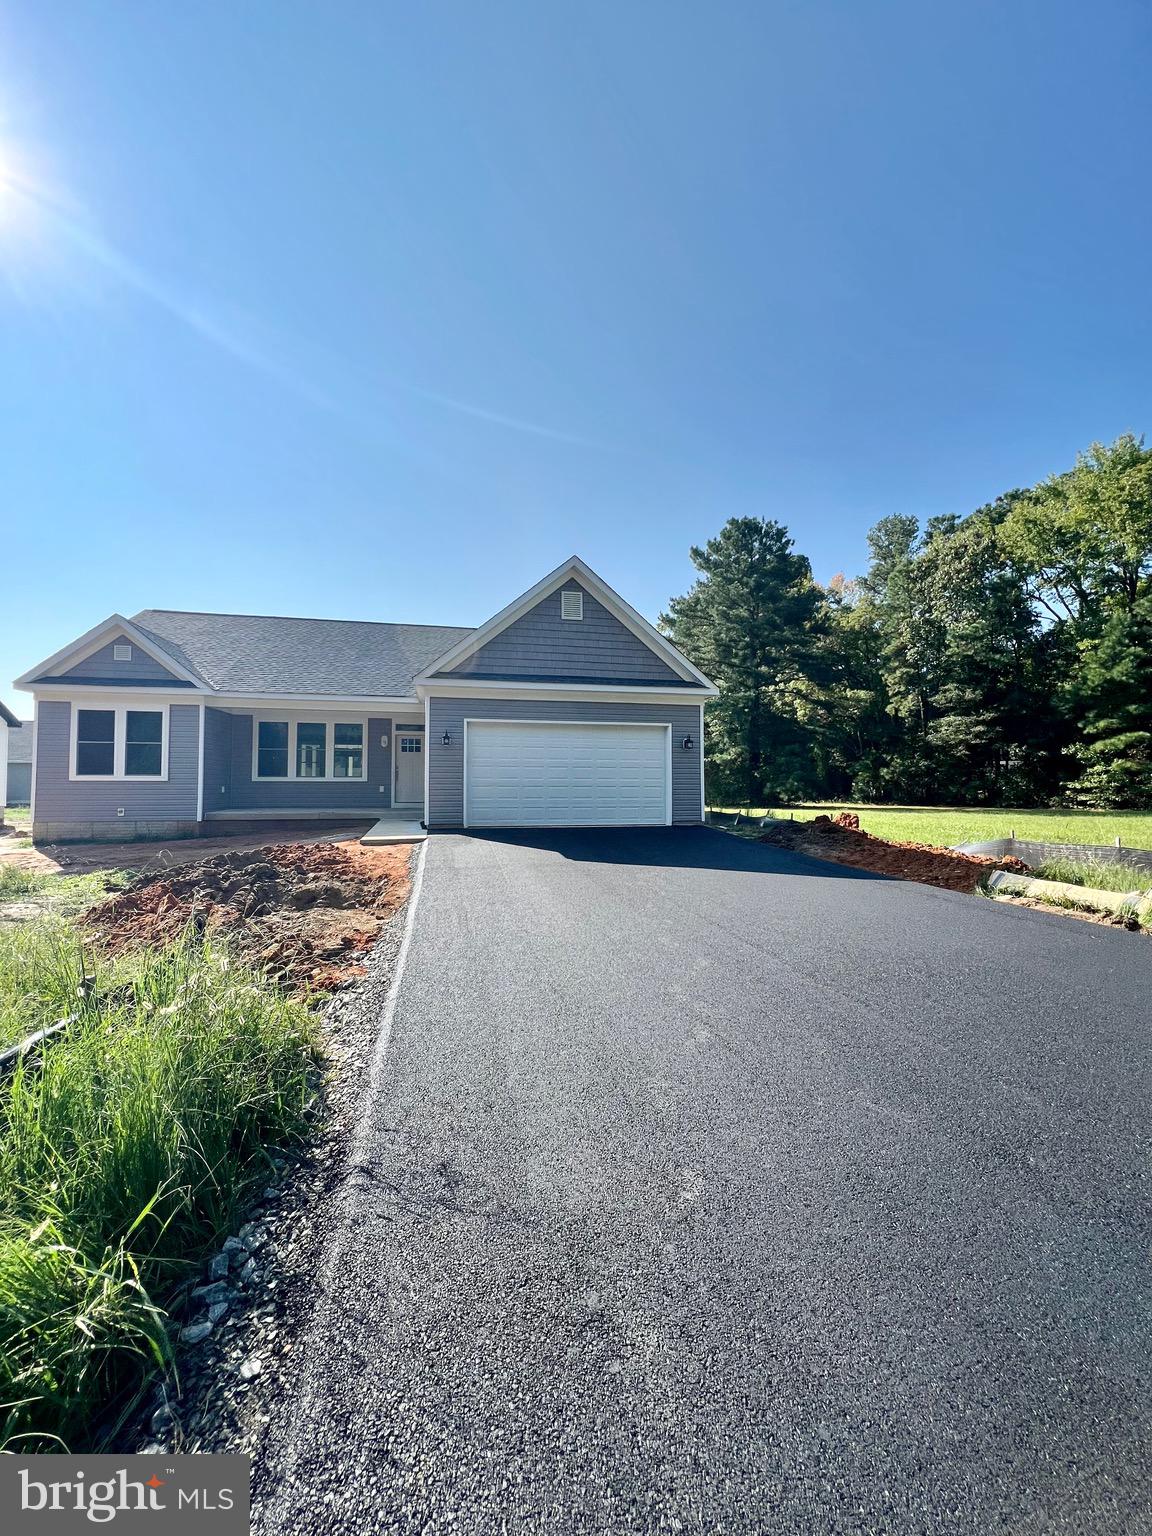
column 379, row 310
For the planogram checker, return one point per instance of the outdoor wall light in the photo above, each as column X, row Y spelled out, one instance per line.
column 688, row 743
column 446, row 739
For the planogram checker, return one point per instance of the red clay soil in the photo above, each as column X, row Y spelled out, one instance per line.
column 304, row 913
column 842, row 842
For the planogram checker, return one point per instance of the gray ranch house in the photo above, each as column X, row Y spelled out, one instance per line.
column 567, row 708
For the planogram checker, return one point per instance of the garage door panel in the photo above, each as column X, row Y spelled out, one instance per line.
column 526, row 774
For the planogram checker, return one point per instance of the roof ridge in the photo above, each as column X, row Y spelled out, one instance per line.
column 296, row 618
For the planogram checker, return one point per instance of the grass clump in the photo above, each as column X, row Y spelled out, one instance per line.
column 1100, row 874
column 124, row 1155
column 58, row 893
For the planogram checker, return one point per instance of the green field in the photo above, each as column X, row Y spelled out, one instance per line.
column 948, row 825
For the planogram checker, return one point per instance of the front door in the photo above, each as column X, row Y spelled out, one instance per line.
column 408, row 774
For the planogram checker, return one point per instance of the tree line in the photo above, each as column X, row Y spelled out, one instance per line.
column 1003, row 657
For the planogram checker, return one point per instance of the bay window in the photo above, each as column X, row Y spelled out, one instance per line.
column 299, row 748
column 116, row 742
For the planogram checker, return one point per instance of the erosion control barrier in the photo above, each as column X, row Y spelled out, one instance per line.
column 1060, row 892
column 1139, row 860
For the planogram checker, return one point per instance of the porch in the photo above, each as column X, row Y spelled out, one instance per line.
column 309, row 764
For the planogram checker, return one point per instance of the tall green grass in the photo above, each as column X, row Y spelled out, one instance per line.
column 41, row 969
column 124, row 1155
column 1100, row 874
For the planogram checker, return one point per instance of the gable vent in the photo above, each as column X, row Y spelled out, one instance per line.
column 571, row 605
column 121, row 653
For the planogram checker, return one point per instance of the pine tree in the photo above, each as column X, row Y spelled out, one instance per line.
column 754, row 622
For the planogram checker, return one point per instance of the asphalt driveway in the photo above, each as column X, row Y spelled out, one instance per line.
column 708, row 1188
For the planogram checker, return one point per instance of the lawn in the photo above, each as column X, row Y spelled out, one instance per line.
column 126, row 1151
column 948, row 825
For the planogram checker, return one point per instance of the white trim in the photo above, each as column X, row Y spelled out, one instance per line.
column 294, row 719
column 599, row 589
column 417, row 735
column 119, row 710
column 380, row 705
column 449, row 688
column 200, row 770
column 645, row 725
column 566, row 594
column 703, row 801
column 81, row 691
column 32, row 787
column 427, row 752
column 95, row 639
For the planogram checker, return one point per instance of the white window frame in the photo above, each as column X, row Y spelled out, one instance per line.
column 308, row 717
column 118, row 776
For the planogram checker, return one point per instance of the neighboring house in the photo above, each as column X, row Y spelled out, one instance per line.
column 19, row 760
column 565, row 709
column 7, row 721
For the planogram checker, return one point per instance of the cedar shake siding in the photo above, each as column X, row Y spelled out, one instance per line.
column 540, row 644
column 82, row 809
column 446, row 764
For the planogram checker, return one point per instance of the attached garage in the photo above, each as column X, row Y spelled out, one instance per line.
column 548, row 773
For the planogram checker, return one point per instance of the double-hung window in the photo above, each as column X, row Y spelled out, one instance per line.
column 119, row 743
column 310, row 749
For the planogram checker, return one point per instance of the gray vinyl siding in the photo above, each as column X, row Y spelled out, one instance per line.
column 542, row 644
column 63, row 801
column 19, row 783
column 217, row 759
column 103, row 666
column 446, row 764
column 249, row 794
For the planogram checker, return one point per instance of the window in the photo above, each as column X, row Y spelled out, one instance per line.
column 119, row 743
column 571, row 605
column 410, row 743
column 143, row 743
column 272, row 749
column 121, row 653
column 310, row 749
column 348, row 751
column 96, row 742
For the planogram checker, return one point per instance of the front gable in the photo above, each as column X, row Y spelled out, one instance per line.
column 113, row 654
column 120, row 660
column 570, row 629
column 594, row 648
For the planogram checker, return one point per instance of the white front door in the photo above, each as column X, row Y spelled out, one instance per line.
column 408, row 774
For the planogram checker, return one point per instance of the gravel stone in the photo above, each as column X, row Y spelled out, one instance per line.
column 207, row 1295
column 195, row 1333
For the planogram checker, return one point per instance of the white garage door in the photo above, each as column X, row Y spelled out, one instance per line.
column 542, row 775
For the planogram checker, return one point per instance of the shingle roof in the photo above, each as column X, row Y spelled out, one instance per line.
column 247, row 653
column 20, row 742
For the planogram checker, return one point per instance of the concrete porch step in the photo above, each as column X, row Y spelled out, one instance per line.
column 394, row 829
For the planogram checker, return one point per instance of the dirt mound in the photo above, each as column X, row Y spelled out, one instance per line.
column 844, row 843
column 303, row 912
